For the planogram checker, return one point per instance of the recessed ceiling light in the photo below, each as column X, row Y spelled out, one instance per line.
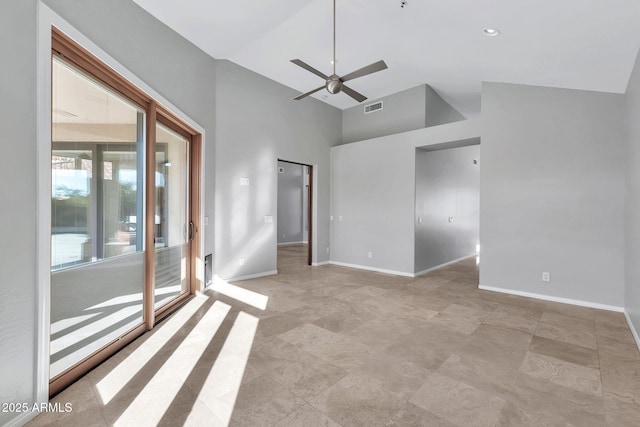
column 491, row 32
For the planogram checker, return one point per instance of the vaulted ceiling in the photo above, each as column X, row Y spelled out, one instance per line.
column 578, row 44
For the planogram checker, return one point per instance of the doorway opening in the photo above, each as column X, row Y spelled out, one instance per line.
column 295, row 219
column 447, row 204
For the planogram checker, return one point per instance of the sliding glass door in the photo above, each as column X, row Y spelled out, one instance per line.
column 173, row 230
column 97, row 269
column 125, row 187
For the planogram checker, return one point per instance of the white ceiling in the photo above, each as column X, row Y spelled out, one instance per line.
column 578, row 44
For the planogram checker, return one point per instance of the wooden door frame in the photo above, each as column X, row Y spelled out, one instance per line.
column 309, row 210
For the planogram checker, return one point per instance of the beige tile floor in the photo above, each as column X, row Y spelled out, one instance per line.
column 342, row 347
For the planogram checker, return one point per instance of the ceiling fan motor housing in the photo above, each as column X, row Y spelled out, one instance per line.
column 334, row 84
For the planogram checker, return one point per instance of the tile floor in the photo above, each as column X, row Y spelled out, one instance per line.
column 342, row 347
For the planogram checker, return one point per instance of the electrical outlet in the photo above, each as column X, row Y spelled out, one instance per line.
column 370, row 254
column 546, row 277
column 241, row 261
column 327, row 249
column 340, row 218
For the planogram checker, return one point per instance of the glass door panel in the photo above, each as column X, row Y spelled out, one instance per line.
column 97, row 262
column 171, row 216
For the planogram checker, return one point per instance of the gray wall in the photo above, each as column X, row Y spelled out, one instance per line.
column 447, row 185
column 258, row 123
column 17, row 191
column 632, row 285
column 552, row 192
column 292, row 199
column 437, row 110
column 373, row 190
column 176, row 69
column 410, row 109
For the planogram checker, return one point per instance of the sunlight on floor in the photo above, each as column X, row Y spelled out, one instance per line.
column 240, row 294
column 220, row 390
column 193, row 365
column 159, row 393
column 119, row 376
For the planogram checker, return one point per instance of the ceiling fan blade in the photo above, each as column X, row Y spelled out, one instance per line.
column 372, row 68
column 304, row 95
column 352, row 93
column 309, row 68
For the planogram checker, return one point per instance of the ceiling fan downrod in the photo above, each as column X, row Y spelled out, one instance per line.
column 334, row 83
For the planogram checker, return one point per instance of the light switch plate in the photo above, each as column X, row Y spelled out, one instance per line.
column 268, row 219
column 244, row 180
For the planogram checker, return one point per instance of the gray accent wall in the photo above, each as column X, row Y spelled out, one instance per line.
column 257, row 124
column 632, row 232
column 292, row 200
column 447, row 205
column 410, row 109
column 373, row 196
column 552, row 192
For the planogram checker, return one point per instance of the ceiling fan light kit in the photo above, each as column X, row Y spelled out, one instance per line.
column 334, row 83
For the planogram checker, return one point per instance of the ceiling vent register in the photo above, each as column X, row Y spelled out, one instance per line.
column 371, row 108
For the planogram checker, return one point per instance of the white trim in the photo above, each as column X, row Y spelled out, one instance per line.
column 318, row 264
column 420, row 273
column 43, row 204
column 250, row 276
column 634, row 332
column 315, row 216
column 291, row 243
column 47, row 18
column 379, row 270
column 554, row 299
column 22, row 419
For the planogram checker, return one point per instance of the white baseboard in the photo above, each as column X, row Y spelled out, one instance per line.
column 250, row 276
column 291, row 243
column 378, row 270
column 420, row 273
column 554, row 299
column 318, row 264
column 634, row 332
column 22, row 419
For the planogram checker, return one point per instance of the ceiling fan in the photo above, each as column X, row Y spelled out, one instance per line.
column 334, row 83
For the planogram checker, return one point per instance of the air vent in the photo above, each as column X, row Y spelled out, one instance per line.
column 373, row 107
